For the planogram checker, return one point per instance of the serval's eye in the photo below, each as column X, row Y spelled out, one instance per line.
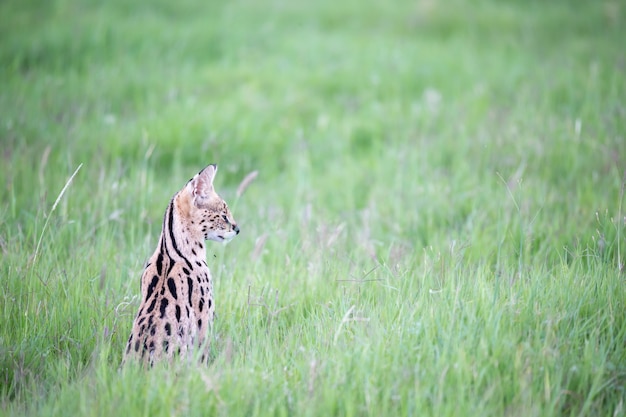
column 225, row 218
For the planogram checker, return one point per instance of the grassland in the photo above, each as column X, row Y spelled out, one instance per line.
column 437, row 227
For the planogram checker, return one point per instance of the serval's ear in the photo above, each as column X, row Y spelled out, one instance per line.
column 202, row 183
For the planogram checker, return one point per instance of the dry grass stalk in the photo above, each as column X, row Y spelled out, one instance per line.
column 54, row 206
column 246, row 182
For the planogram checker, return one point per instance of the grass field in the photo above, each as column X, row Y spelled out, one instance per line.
column 437, row 227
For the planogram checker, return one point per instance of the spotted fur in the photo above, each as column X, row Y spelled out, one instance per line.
column 177, row 305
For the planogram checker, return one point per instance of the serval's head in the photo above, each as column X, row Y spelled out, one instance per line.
column 207, row 212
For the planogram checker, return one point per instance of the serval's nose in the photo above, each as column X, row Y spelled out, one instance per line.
column 236, row 229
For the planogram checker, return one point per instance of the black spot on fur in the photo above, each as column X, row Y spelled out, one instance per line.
column 187, row 310
column 170, row 212
column 199, row 323
column 163, row 307
column 177, row 313
column 172, row 264
column 152, row 331
column 185, row 271
column 172, row 287
column 152, row 286
column 210, row 302
column 201, row 306
column 130, row 342
column 168, row 329
column 194, row 252
column 159, row 264
column 190, row 288
column 198, row 263
column 166, row 346
column 151, row 307
column 137, row 345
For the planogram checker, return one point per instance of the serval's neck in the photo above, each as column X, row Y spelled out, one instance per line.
column 177, row 240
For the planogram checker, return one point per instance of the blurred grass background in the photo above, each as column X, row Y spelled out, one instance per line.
column 437, row 227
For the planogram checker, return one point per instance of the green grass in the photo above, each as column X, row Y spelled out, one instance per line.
column 438, row 225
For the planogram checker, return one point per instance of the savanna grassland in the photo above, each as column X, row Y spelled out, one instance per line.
column 437, row 226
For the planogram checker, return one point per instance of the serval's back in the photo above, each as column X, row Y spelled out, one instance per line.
column 177, row 305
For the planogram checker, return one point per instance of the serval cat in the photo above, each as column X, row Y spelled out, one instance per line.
column 177, row 306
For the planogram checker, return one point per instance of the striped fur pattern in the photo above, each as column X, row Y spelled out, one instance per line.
column 177, row 305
